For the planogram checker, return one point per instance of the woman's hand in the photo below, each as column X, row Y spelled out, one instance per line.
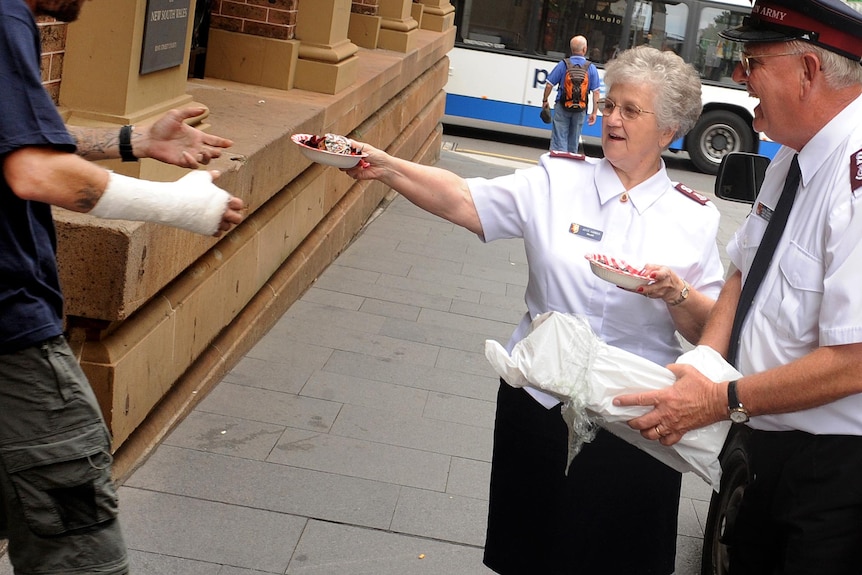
column 374, row 166
column 666, row 285
column 688, row 307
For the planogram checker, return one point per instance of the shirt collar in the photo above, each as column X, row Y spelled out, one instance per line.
column 828, row 139
column 641, row 196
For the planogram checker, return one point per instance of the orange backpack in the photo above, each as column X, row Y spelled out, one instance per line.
column 575, row 86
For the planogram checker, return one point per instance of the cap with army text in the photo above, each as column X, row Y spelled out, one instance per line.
column 831, row 24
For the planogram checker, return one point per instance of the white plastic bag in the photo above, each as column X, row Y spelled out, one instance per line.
column 562, row 356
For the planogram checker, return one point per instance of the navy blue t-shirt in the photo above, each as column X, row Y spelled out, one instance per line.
column 31, row 304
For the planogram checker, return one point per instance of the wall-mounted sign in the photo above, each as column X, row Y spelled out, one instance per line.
column 164, row 34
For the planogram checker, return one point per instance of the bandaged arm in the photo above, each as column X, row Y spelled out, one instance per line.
column 191, row 203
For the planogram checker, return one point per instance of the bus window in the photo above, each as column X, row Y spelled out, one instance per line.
column 599, row 21
column 498, row 24
column 714, row 57
column 661, row 25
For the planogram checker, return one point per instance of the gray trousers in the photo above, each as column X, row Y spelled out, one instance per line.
column 59, row 504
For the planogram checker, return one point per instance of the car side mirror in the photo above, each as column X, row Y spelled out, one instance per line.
column 740, row 176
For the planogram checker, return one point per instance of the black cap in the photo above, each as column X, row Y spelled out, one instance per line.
column 831, row 24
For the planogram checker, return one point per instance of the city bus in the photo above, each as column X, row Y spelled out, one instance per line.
column 505, row 49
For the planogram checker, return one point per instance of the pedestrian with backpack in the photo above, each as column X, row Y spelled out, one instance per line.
column 575, row 78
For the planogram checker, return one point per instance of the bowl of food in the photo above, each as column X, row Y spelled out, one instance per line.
column 617, row 271
column 329, row 149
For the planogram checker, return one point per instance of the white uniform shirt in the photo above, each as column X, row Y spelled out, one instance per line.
column 566, row 208
column 812, row 294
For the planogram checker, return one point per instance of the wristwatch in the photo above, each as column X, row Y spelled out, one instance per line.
column 738, row 413
column 683, row 294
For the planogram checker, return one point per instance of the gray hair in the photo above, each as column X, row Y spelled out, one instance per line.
column 676, row 85
column 840, row 72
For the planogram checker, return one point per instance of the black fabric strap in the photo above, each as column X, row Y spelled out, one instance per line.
column 126, row 153
column 763, row 257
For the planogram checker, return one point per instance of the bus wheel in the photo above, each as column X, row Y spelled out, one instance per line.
column 723, row 506
column 715, row 135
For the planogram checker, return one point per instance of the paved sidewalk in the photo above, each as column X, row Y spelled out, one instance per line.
column 355, row 437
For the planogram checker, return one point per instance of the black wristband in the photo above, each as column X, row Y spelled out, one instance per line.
column 126, row 153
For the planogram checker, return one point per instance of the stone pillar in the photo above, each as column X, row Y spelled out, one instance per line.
column 364, row 29
column 416, row 10
column 102, row 80
column 254, row 43
column 327, row 58
column 398, row 28
column 438, row 15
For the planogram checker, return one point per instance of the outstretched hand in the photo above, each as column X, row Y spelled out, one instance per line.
column 171, row 140
column 233, row 215
column 372, row 167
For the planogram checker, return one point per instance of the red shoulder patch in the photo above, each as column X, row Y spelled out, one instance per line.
column 691, row 194
column 856, row 171
column 569, row 155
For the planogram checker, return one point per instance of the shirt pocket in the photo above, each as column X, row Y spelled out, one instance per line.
column 746, row 241
column 793, row 301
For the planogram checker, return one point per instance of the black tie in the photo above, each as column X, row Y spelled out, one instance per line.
column 763, row 257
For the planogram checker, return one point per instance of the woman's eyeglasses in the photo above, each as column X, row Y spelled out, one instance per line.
column 628, row 112
column 746, row 59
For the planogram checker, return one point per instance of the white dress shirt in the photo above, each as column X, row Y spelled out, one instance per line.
column 566, row 208
column 811, row 295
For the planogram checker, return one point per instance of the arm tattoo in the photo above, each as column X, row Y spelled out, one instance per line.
column 87, row 198
column 96, row 144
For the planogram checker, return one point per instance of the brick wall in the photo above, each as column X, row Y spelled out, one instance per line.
column 267, row 18
column 368, row 7
column 53, row 36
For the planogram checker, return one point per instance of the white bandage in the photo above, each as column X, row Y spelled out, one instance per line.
column 191, row 203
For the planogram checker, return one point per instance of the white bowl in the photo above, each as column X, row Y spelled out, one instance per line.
column 617, row 271
column 323, row 156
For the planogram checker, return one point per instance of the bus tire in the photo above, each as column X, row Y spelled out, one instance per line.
column 716, row 134
column 723, row 506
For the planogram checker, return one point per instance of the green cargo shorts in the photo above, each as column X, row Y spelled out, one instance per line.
column 59, row 504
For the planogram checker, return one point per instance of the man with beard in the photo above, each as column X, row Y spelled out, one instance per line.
column 58, row 505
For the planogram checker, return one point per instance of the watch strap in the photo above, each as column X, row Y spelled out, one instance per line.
column 126, row 153
column 683, row 294
column 734, row 406
column 732, row 397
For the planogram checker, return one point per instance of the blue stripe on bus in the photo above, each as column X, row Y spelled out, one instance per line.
column 489, row 110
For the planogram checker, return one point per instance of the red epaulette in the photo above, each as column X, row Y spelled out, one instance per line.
column 569, row 155
column 691, row 194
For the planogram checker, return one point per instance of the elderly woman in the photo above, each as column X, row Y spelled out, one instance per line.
column 615, row 509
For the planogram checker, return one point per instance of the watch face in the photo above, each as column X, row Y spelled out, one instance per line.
column 738, row 416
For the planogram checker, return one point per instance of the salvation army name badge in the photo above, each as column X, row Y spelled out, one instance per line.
column 585, row 232
column 763, row 211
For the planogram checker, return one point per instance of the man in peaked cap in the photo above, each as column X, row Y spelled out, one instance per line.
column 798, row 341
column 830, row 24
